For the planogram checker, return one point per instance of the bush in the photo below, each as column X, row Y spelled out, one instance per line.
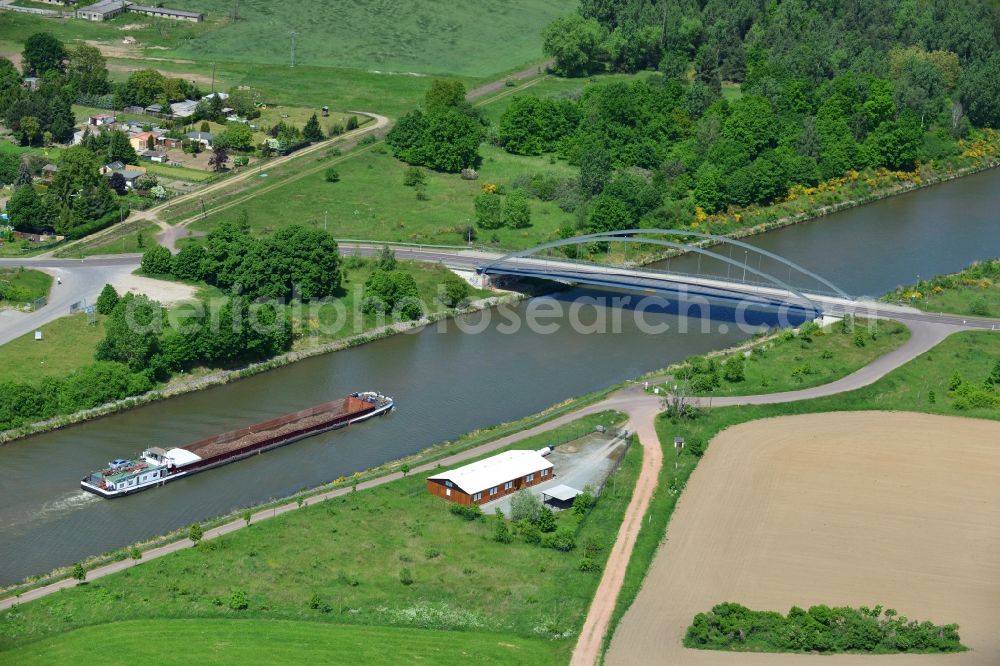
column 239, row 600
column 588, row 565
column 546, row 520
column 157, row 260
column 471, row 512
column 79, row 572
column 414, row 176
column 195, row 533
column 501, row 533
column 319, row 604
column 453, row 290
column 405, row 576
column 584, row 502
column 331, row 175
column 563, row 540
column 107, row 301
column 525, row 505
column 529, row 532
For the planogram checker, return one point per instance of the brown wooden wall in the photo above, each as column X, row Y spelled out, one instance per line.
column 461, row 497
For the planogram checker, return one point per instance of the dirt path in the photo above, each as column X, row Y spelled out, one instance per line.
column 843, row 509
column 493, row 86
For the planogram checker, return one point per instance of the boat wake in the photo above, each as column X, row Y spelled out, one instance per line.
column 54, row 508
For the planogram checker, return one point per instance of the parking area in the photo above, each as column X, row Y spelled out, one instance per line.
column 586, row 461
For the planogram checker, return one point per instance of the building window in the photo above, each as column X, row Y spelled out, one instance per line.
column 508, row 485
column 545, row 472
column 447, row 492
column 530, row 477
column 448, row 483
column 477, row 497
column 493, row 490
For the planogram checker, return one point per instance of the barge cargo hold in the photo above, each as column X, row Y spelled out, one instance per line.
column 157, row 466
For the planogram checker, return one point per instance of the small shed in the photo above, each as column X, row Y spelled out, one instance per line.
column 561, row 496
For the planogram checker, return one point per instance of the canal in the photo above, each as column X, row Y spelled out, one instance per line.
column 446, row 382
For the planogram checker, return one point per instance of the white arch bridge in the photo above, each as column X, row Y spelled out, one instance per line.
column 756, row 288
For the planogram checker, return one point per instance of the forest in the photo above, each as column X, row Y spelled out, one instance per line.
column 747, row 100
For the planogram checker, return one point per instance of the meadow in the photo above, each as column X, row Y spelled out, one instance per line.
column 393, row 555
column 428, row 37
column 24, row 284
column 285, row 642
column 370, row 202
column 67, row 343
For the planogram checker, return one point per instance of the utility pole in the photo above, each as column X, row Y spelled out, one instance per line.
column 325, row 212
column 236, row 11
column 213, row 77
column 294, row 35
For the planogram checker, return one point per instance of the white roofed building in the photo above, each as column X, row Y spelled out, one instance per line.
column 491, row 478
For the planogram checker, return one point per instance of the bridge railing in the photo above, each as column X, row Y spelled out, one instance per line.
column 659, row 271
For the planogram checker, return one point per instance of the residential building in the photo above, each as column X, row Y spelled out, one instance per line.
column 167, row 13
column 141, row 141
column 49, row 171
column 183, row 109
column 154, row 156
column 492, row 478
column 104, row 10
column 204, row 138
column 102, row 119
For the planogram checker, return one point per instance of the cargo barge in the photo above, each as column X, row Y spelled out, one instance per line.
column 156, row 466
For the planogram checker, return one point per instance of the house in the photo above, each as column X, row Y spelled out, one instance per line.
column 167, row 13
column 30, row 82
column 154, row 108
column 492, row 478
column 154, row 156
column 112, row 167
column 130, row 174
column 183, row 109
column 134, row 109
column 104, row 10
column 77, row 137
column 142, row 140
column 221, row 95
column 49, row 171
column 167, row 142
column 204, row 138
column 102, row 119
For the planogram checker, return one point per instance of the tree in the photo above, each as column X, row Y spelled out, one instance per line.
column 144, row 87
column 576, row 44
column 218, row 159
column 131, row 331
column 393, row 291
column 117, row 183
column 451, row 141
column 489, row 211
column 88, row 71
column 107, row 301
column 28, row 211
column 733, row 370
column 247, row 516
column 195, row 534
column 525, row 505
column 30, row 131
column 608, row 214
column 236, row 136
column 752, row 123
column 79, row 572
column 595, row 170
column 157, row 260
column 412, row 177
column 546, row 520
column 308, row 261
column 386, row 259
column 453, row 291
column 312, row 132
column 188, row 264
column 407, row 136
column 42, row 53
column 980, row 92
column 501, row 533
column 516, row 211
column 444, row 94
column 9, row 165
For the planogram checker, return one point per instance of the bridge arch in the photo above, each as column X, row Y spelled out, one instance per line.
column 627, row 235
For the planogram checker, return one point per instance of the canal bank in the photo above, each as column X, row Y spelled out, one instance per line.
column 445, row 383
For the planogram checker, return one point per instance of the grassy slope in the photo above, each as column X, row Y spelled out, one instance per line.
column 371, row 202
column 67, row 343
column 429, row 37
column 34, row 284
column 771, row 370
column 971, row 354
column 284, row 642
column 349, row 552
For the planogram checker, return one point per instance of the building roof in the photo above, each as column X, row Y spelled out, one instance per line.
column 117, row 165
column 185, row 108
column 494, row 471
column 221, row 95
column 562, row 492
column 164, row 10
column 50, row 167
column 143, row 136
column 200, row 136
column 128, row 174
column 155, row 108
column 103, row 115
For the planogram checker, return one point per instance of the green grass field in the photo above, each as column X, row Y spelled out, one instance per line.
column 179, row 173
column 371, row 202
column 348, row 553
column 66, row 344
column 231, row 641
column 27, row 285
column 428, row 37
column 124, row 239
column 791, row 363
